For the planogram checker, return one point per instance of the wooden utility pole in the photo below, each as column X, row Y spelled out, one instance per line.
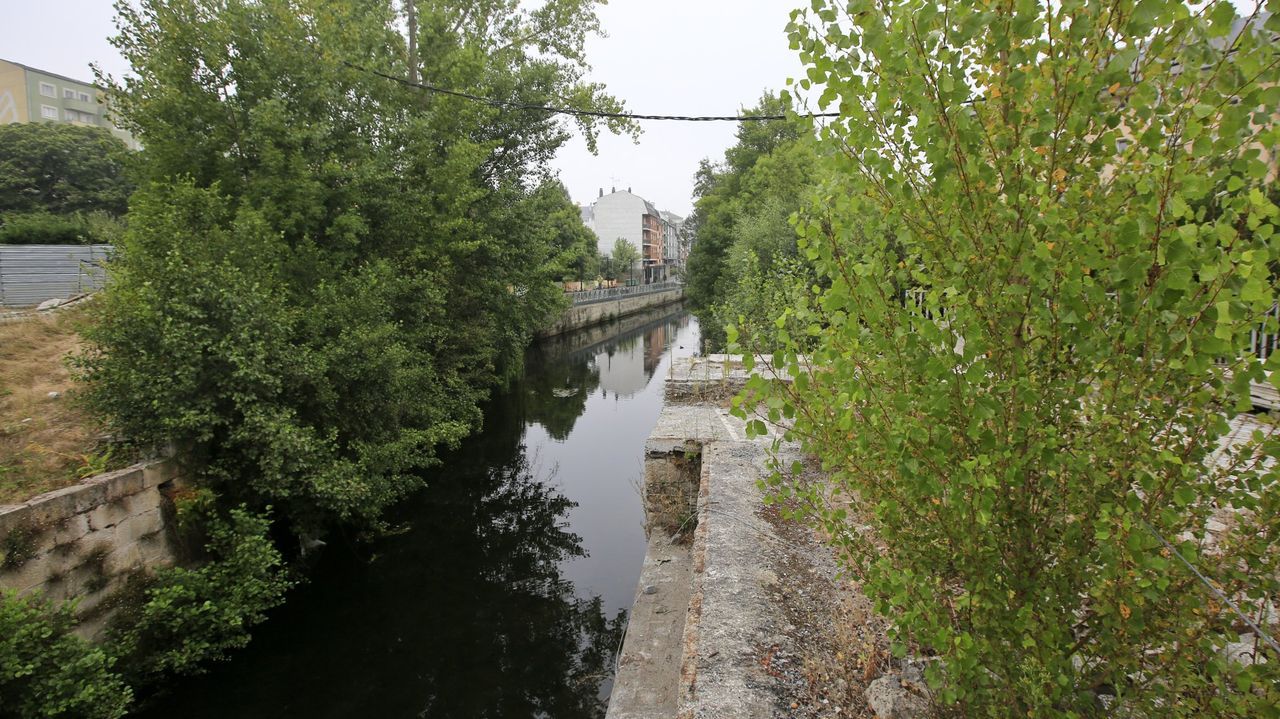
column 412, row 14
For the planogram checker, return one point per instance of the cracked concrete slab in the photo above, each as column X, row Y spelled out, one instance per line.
column 735, row 619
column 648, row 676
column 705, row 660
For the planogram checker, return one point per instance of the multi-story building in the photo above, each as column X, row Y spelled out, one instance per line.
column 623, row 215
column 28, row 94
column 673, row 239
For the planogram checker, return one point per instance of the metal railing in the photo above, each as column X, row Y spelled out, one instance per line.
column 1262, row 340
column 614, row 293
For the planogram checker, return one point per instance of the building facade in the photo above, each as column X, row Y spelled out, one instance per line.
column 673, row 252
column 655, row 234
column 28, row 94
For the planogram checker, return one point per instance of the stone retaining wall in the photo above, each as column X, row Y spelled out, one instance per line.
column 580, row 316
column 83, row 542
column 702, row 612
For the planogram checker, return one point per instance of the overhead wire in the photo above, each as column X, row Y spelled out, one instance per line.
column 1213, row 588
column 508, row 104
column 512, row 105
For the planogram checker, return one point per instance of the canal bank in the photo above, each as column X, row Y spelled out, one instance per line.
column 595, row 307
column 501, row 589
column 739, row 612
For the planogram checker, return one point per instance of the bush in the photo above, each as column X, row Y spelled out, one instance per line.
column 191, row 616
column 319, row 409
column 1026, row 344
column 42, row 228
column 62, row 169
column 46, row 671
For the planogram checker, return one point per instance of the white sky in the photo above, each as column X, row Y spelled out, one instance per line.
column 679, row 57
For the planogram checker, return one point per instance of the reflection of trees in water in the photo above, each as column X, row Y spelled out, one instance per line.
column 554, row 393
column 515, row 640
column 464, row 614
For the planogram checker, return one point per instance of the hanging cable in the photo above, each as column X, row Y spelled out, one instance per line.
column 492, row 102
column 1217, row 592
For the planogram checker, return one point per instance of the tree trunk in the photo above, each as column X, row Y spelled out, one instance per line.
column 412, row 14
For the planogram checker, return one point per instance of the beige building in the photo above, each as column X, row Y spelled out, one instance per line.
column 28, row 94
column 622, row 215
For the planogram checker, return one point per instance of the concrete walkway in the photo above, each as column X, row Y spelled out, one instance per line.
column 728, row 643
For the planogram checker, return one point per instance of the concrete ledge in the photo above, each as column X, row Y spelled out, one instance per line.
column 730, row 623
column 730, row 620
column 648, row 671
column 586, row 315
column 83, row 542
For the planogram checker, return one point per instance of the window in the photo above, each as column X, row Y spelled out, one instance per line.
column 68, row 93
column 48, row 90
column 48, row 113
column 82, row 96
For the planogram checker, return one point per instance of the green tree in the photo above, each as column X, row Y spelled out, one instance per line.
column 47, row 671
column 1029, row 343
column 326, row 271
column 62, row 169
column 622, row 260
column 575, row 244
column 744, row 246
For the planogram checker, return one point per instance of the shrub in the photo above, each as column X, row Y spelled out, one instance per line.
column 45, row 671
column 191, row 616
column 42, row 228
column 62, row 169
column 1026, row 344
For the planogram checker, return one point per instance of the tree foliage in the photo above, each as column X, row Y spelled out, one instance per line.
column 622, row 259
column 326, row 271
column 190, row 616
column 744, row 254
column 576, row 255
column 46, row 671
column 62, row 169
column 44, row 228
column 1029, row 343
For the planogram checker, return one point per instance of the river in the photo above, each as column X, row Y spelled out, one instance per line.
column 503, row 589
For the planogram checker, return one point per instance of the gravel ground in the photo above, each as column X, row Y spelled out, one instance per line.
column 833, row 644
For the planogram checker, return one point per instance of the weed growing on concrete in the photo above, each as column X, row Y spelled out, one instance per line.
column 18, row 547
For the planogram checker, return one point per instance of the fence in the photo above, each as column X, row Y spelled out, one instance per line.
column 31, row 274
column 613, row 293
column 1263, row 342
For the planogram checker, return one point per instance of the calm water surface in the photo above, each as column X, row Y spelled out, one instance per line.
column 504, row 592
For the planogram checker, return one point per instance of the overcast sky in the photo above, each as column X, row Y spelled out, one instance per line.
column 679, row 57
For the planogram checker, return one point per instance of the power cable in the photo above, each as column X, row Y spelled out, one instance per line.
column 1217, row 592
column 493, row 102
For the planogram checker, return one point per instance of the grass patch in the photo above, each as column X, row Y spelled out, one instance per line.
column 45, row 442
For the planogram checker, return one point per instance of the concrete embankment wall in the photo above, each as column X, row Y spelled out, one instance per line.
column 702, row 609
column 736, row 611
column 85, row 541
column 595, row 313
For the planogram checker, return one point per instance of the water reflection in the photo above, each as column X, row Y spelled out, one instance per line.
column 504, row 595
